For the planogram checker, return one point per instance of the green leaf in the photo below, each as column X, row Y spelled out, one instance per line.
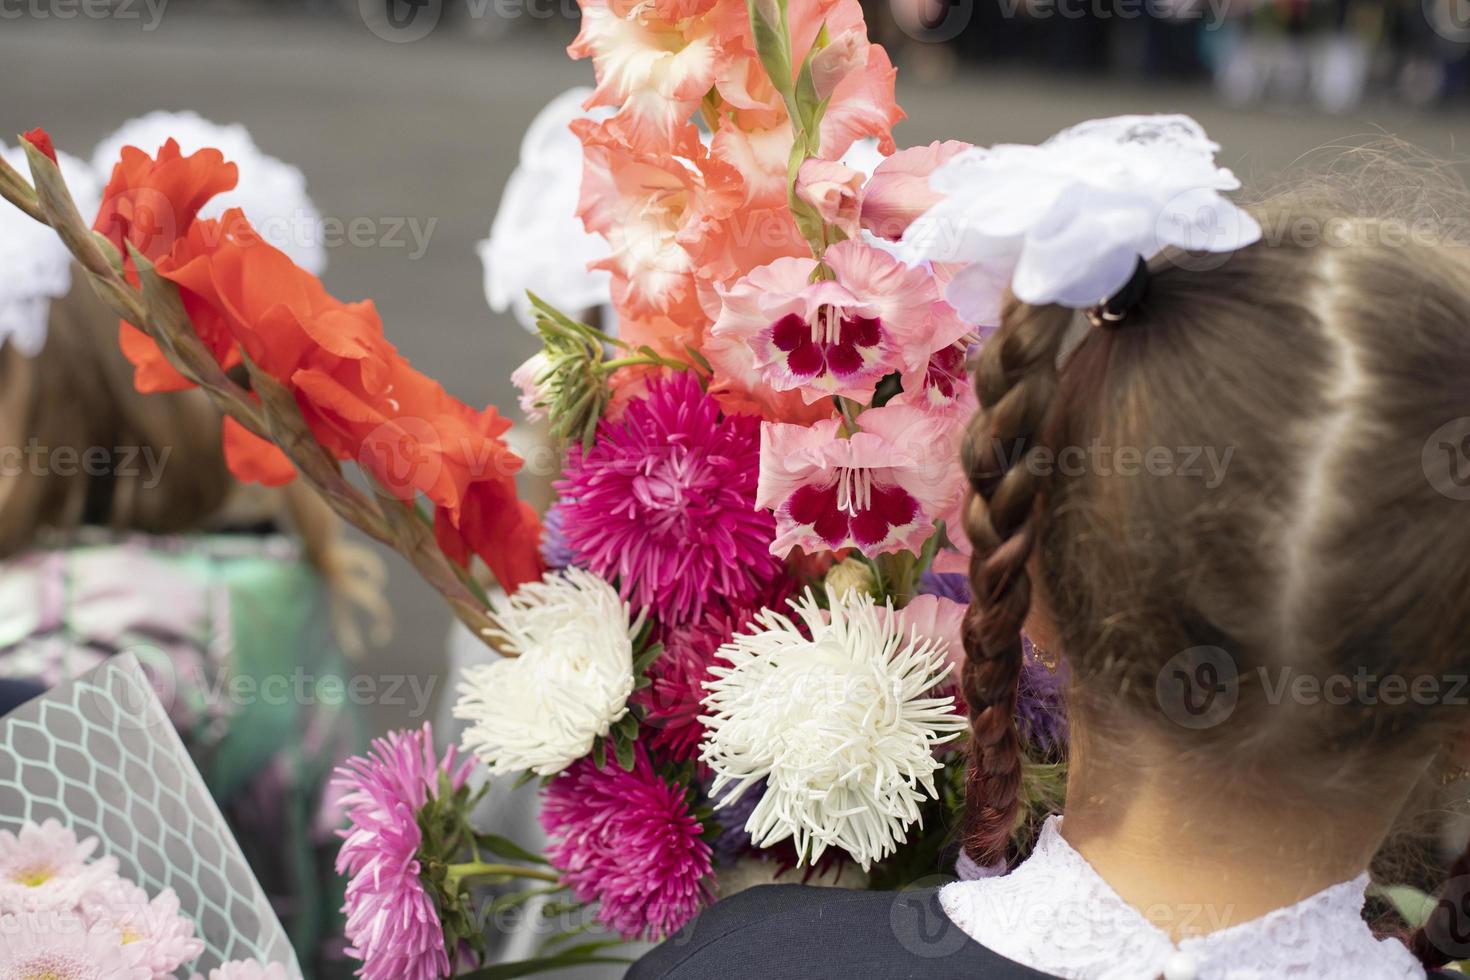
column 1410, row 903
column 506, row 848
column 627, row 726
column 647, row 658
column 599, row 753
column 625, row 755
column 523, row 779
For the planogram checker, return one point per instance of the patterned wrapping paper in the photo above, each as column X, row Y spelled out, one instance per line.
column 100, row 755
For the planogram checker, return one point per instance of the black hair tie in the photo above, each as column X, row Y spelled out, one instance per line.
column 1110, row 312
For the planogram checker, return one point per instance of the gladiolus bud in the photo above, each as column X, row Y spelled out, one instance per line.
column 840, row 58
column 41, row 140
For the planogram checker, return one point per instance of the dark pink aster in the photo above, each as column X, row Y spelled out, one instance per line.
column 675, row 698
column 664, row 502
column 627, row 841
column 392, row 924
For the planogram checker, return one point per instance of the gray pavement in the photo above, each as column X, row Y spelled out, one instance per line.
column 428, row 131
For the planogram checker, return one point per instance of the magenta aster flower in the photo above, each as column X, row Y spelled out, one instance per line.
column 627, row 841
column 392, row 924
column 675, row 698
column 664, row 502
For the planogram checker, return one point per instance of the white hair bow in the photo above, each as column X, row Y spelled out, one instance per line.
column 35, row 267
column 1067, row 222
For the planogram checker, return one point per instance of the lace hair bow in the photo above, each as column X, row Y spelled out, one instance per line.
column 1075, row 220
column 36, row 265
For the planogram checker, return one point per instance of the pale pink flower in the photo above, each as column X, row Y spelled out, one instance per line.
column 757, row 137
column 879, row 490
column 653, row 61
column 44, row 867
column 942, row 384
column 653, row 208
column 246, row 970
column 54, row 946
column 833, row 189
column 529, row 378
column 843, row 55
column 166, row 938
column 898, row 192
column 835, row 336
column 941, row 620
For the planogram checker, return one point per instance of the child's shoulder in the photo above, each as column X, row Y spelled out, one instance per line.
column 793, row 932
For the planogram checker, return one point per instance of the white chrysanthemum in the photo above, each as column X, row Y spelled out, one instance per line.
column 841, row 725
column 569, row 684
column 44, row 867
column 58, row 946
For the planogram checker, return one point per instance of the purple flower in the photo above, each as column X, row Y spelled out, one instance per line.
column 628, row 841
column 664, row 502
column 732, row 840
column 1041, row 709
column 946, row 585
column 554, row 548
column 392, row 923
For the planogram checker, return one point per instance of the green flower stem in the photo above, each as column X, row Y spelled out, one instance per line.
column 457, row 875
column 634, row 361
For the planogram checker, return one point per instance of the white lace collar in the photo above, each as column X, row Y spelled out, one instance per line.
column 1055, row 914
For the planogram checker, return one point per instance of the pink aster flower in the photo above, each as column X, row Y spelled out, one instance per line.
column 834, row 336
column 392, row 924
column 878, row 490
column 52, row 946
column 166, row 938
column 664, row 502
column 44, row 866
column 627, row 841
column 675, row 698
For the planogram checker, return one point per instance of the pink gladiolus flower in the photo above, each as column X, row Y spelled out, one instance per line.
column 832, row 64
column 830, row 337
column 654, row 61
column 627, row 841
column 879, row 490
column 833, row 189
column 937, row 618
column 653, row 208
column 392, row 924
column 756, row 136
column 898, row 192
column 943, row 384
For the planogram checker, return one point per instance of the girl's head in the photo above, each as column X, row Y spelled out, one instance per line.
column 84, row 448
column 1241, row 513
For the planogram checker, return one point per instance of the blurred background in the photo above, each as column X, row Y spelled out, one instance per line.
column 406, row 118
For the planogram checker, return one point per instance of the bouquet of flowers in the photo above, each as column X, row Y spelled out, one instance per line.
column 114, row 861
column 731, row 651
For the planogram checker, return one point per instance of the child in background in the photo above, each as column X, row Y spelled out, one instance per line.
column 121, row 530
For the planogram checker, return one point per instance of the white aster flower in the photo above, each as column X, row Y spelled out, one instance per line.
column 841, row 725
column 570, row 683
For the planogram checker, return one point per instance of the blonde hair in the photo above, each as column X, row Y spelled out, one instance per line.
column 86, row 449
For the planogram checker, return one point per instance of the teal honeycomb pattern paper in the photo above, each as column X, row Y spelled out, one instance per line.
column 100, row 755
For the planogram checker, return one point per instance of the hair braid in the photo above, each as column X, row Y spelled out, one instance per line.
column 1016, row 381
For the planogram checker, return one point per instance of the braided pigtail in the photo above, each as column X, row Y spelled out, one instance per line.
column 1016, row 380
